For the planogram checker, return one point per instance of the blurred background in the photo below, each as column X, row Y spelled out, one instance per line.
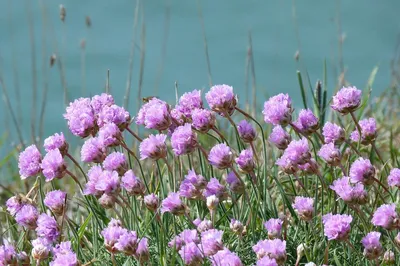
column 51, row 55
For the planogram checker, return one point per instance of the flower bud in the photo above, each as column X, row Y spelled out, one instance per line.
column 152, row 202
column 236, row 226
column 212, row 202
column 389, row 257
column 107, row 201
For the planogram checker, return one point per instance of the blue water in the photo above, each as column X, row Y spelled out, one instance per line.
column 371, row 29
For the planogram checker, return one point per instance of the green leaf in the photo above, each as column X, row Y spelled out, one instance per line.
column 82, row 228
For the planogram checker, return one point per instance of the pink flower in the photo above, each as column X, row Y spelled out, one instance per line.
column 372, row 247
column 346, row 100
column 274, row 228
column 337, row 227
column 386, row 217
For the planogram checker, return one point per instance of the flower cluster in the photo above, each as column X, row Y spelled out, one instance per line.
column 206, row 192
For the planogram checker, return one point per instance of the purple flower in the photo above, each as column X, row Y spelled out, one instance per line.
column 14, row 204
column 266, row 261
column 278, row 110
column 337, row 227
column 362, row 171
column 307, row 122
column 153, row 147
column 55, row 201
column 41, row 248
column 29, row 162
column 347, row 192
column 111, row 235
column 110, row 135
column 151, row 201
column 204, row 225
column 211, row 241
column 189, row 236
column 274, row 228
column 53, row 165
column 173, row 204
column 355, row 136
column 188, row 102
column 236, row 226
column 221, row 156
column 176, row 243
column 279, row 137
column 346, row 100
column 57, row 141
column 154, row 115
column 178, row 118
column 81, row 118
column 7, row 255
column 47, row 228
column 94, row 175
column 368, row 130
column 245, row 161
column 274, row 249
column 304, row 207
column 221, row 99
column 246, row 131
column 183, row 140
column 298, row 151
column 330, row 154
column 333, row 133
column 191, row 254
column 114, row 114
column 215, row 188
column 93, row 151
column 133, row 185
column 108, row 182
column 27, row 216
column 225, row 257
column 372, row 247
column 310, row 167
column 203, row 120
column 235, row 184
column 127, row 243
column 192, row 185
column 287, row 165
column 65, row 259
column 386, row 217
column 116, row 161
column 394, row 177
column 99, row 101
column 142, row 251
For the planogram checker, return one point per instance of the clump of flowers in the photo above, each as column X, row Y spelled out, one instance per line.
column 186, row 186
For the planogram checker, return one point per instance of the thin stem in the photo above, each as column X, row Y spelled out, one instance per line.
column 377, row 152
column 343, row 169
column 205, row 153
column 168, row 166
column 320, row 137
column 134, row 134
column 215, row 129
column 353, row 147
column 113, row 260
column 382, row 185
column 77, row 164
column 75, row 179
column 255, row 153
column 356, row 122
column 130, row 151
